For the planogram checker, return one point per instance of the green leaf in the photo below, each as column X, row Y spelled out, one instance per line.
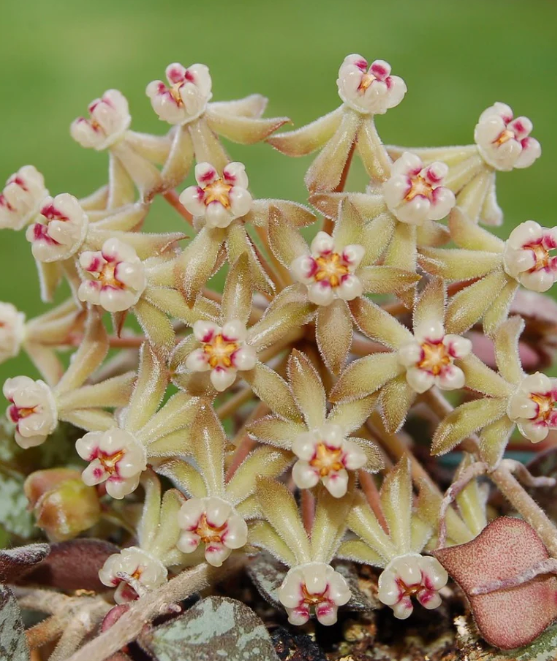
column 14, row 516
column 215, row 628
column 13, row 645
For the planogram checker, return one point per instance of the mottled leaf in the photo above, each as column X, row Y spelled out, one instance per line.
column 13, row 644
column 216, row 627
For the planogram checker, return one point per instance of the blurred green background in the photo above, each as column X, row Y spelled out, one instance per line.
column 456, row 57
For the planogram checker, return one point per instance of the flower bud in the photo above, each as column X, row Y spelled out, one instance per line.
column 62, row 504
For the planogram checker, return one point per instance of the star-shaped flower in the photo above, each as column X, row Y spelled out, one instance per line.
column 323, row 448
column 214, row 516
column 509, row 398
column 118, row 456
column 429, row 357
column 396, row 550
column 501, row 143
column 365, row 92
column 35, row 407
column 494, row 269
column 223, row 209
column 333, row 274
column 311, row 586
column 209, row 360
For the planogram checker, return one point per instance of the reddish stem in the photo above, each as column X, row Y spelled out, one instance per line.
column 171, row 196
column 308, row 510
column 372, row 494
column 328, row 222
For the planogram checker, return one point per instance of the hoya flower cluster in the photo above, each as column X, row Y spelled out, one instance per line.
column 275, row 406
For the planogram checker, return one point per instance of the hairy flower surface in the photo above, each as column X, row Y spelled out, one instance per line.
column 109, row 119
column 59, row 230
column 504, row 142
column 115, row 276
column 408, row 576
column 22, row 197
column 115, row 457
column 527, row 256
column 224, row 352
column 132, row 567
column 186, row 96
column 429, row 360
column 32, row 409
column 323, row 446
column 369, row 89
column 218, row 200
column 271, row 404
column 415, row 192
column 12, row 331
column 313, row 588
column 212, row 522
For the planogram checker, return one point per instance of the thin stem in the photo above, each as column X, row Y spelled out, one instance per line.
column 308, row 510
column 470, row 473
column 361, row 346
column 172, row 197
column 282, row 273
column 372, row 495
column 525, row 505
column 46, row 631
column 273, row 277
column 523, row 475
column 156, row 603
column 328, row 223
column 243, row 442
column 397, row 449
column 234, row 403
column 508, row 485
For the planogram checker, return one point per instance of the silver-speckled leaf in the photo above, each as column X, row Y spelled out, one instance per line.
column 215, row 628
column 13, row 645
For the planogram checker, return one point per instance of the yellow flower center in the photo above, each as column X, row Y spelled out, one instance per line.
column 419, row 187
column 545, row 405
column 327, row 460
column 366, row 81
column 220, row 351
column 541, row 255
column 207, row 532
column 331, row 267
column 107, row 276
column 218, row 191
column 175, row 93
column 436, row 357
column 312, row 599
column 503, row 137
column 109, row 461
